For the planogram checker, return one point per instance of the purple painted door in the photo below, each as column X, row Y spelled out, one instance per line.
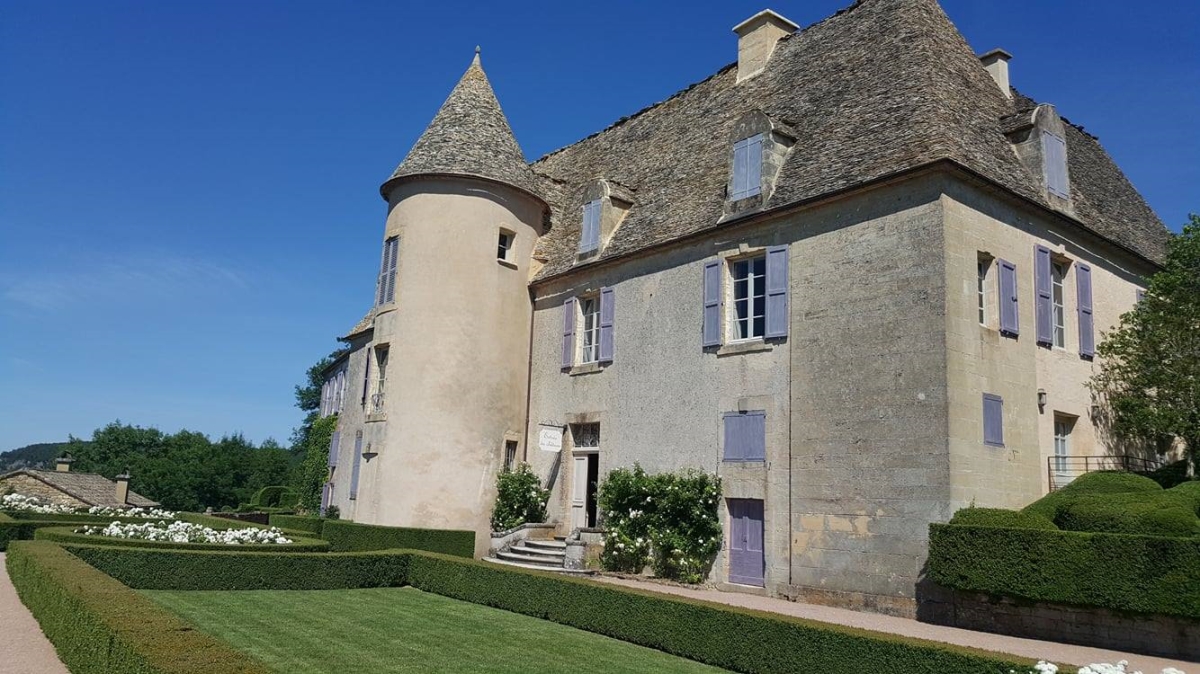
column 746, row 560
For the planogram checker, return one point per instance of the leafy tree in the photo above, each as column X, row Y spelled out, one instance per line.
column 308, row 399
column 1150, row 383
column 183, row 471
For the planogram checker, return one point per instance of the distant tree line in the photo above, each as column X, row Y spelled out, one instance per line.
column 184, row 470
column 40, row 455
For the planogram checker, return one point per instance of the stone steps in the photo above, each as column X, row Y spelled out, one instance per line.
column 524, row 557
column 540, row 567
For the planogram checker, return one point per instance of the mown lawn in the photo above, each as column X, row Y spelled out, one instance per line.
column 404, row 630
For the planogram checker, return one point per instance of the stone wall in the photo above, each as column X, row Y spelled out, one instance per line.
column 1165, row 636
column 30, row 486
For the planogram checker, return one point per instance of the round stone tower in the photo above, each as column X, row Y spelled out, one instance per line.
column 451, row 336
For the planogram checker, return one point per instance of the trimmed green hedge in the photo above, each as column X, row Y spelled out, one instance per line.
column 734, row 638
column 1133, row 574
column 999, row 517
column 99, row 626
column 12, row 529
column 311, row 525
column 1170, row 475
column 217, row 522
column 1108, row 502
column 276, row 496
column 71, row 518
column 1090, row 483
column 350, row 537
column 65, row 535
column 738, row 639
column 146, row 569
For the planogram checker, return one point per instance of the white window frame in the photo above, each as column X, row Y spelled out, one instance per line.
column 983, row 271
column 752, row 286
column 1058, row 274
column 379, row 384
column 1062, row 443
column 504, row 245
column 589, row 329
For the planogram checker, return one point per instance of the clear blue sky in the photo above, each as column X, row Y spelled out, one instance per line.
column 188, row 191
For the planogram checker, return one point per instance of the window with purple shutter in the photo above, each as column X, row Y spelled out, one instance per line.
column 1054, row 150
column 607, row 315
column 568, row 340
column 358, row 442
column 386, row 287
column 333, row 449
column 1087, row 336
column 747, row 167
column 777, row 292
column 712, row 303
column 993, row 420
column 1008, row 298
column 1042, row 281
column 745, row 436
column 589, row 238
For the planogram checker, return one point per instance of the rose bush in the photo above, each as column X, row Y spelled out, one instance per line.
column 668, row 520
column 19, row 502
column 186, row 532
column 1044, row 667
column 520, row 498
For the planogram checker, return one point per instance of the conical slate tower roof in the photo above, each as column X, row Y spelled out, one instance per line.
column 469, row 136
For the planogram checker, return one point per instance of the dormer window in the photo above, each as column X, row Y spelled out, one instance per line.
column 747, row 167
column 589, row 239
column 1054, row 154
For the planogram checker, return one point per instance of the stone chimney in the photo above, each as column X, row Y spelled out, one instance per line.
column 757, row 37
column 63, row 463
column 123, row 488
column 996, row 63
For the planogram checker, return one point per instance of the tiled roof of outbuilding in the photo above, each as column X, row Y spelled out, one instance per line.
column 90, row 488
column 879, row 88
column 469, row 136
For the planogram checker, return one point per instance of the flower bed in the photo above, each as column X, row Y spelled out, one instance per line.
column 187, row 532
column 31, row 504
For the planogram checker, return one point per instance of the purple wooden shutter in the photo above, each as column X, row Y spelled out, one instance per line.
column 355, row 467
column 393, row 246
column 1008, row 298
column 993, row 420
column 712, row 303
column 740, row 178
column 333, row 449
column 568, row 342
column 777, row 291
column 1087, row 337
column 1054, row 150
column 607, row 314
column 745, row 436
column 1042, row 279
column 754, row 165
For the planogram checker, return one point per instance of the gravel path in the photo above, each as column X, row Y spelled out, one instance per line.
column 1028, row 648
column 26, row 649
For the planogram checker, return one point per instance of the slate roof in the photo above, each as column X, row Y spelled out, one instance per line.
column 469, row 136
column 367, row 322
column 879, row 88
column 92, row 489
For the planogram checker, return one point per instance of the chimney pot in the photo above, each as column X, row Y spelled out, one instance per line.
column 122, row 481
column 63, row 463
column 757, row 37
column 996, row 63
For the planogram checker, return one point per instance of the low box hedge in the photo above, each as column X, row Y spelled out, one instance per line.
column 351, row 537
column 165, row 569
column 76, row 517
column 999, row 517
column 12, row 529
column 733, row 638
column 217, row 522
column 1126, row 573
column 99, row 626
column 311, row 525
column 60, row 534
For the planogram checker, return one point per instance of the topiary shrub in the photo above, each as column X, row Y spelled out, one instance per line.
column 276, row 496
column 998, row 517
column 1151, row 514
column 520, row 498
column 1103, row 482
column 669, row 520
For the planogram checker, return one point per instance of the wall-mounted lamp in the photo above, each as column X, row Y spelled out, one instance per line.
column 1041, row 398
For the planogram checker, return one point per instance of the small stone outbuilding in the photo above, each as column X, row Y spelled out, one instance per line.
column 64, row 487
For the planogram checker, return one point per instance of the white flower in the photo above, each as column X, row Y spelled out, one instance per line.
column 186, row 532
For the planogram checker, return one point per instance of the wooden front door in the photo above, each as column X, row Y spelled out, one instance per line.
column 746, row 559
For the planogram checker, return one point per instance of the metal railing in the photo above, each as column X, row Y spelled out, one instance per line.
column 1061, row 470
